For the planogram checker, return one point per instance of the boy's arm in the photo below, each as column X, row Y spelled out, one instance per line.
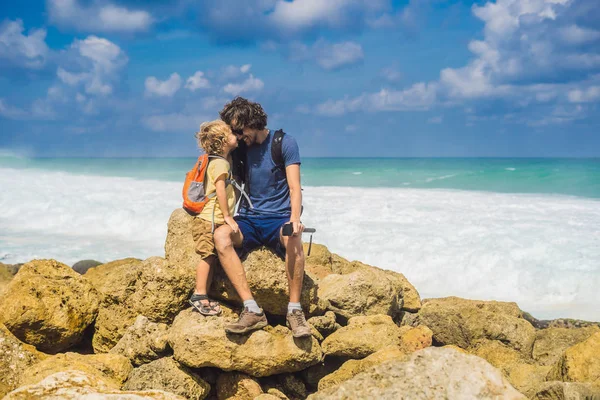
column 292, row 173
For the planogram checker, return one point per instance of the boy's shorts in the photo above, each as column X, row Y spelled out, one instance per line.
column 261, row 231
column 203, row 237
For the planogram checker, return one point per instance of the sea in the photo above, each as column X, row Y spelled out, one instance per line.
column 511, row 229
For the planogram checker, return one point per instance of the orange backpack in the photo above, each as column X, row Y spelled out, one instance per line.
column 194, row 189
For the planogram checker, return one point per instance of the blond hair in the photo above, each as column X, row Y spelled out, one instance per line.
column 212, row 136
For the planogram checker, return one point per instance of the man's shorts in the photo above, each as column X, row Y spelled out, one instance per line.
column 261, row 231
column 203, row 237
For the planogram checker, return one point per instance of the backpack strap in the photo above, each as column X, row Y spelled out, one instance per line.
column 277, row 151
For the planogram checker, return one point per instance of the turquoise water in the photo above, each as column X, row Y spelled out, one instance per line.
column 577, row 177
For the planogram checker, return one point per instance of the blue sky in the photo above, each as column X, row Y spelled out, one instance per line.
column 418, row 78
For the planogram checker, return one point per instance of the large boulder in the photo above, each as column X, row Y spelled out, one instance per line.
column 362, row 336
column 74, row 385
column 324, row 324
column 267, row 279
column 202, row 342
column 432, row 373
column 143, row 342
column 353, row 367
column 462, row 322
column 5, row 278
column 556, row 390
column 168, row 375
column 366, row 291
column 519, row 370
column 111, row 369
column 15, row 357
column 153, row 288
column 237, row 386
column 551, row 343
column 579, row 363
column 265, row 272
column 49, row 305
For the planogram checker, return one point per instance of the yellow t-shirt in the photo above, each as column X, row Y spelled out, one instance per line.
column 216, row 168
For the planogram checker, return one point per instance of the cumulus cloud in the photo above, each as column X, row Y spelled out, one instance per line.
column 98, row 17
column 197, row 81
column 419, row 97
column 251, row 84
column 167, row 88
column 98, row 62
column 328, row 56
column 589, row 94
column 11, row 112
column 22, row 50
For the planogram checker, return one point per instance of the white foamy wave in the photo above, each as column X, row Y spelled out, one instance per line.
column 541, row 251
column 510, row 169
column 357, row 173
column 439, row 178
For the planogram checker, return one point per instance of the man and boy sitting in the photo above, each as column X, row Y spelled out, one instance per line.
column 275, row 199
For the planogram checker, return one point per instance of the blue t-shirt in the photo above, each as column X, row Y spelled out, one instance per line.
column 269, row 191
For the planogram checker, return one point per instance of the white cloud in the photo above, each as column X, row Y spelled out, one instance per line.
column 174, row 122
column 197, row 81
column 163, row 88
column 391, row 74
column 328, row 56
column 251, row 84
column 435, row 120
column 20, row 50
column 589, row 94
column 244, row 69
column 576, row 35
column 98, row 17
column 99, row 61
column 234, row 71
column 10, row 112
column 419, row 97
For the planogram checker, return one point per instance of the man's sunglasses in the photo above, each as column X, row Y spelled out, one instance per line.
column 237, row 132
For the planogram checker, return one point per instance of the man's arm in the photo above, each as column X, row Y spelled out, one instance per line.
column 292, row 173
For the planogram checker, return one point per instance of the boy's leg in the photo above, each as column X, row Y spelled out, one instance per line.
column 204, row 274
column 205, row 248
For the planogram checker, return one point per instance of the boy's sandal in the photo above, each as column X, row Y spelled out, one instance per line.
column 211, row 309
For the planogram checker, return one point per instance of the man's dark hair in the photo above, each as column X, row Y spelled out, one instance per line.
column 241, row 113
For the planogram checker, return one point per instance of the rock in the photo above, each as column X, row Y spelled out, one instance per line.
column 264, row 270
column 168, row 375
column 11, row 268
column 362, row 336
column 5, row 278
column 199, row 342
column 417, row 338
column 353, row 367
column 289, row 385
column 319, row 262
column 432, row 373
column 268, row 396
column 237, row 386
column 551, row 343
column 111, row 369
column 313, row 375
column 49, row 305
column 74, row 385
column 153, row 288
column 366, row 291
column 268, row 282
column 462, row 322
column 523, row 375
column 16, row 356
column 566, row 391
column 83, row 266
column 325, row 324
column 143, row 342
column 579, row 363
column 277, row 393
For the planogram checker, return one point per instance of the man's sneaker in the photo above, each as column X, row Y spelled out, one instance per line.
column 247, row 322
column 297, row 323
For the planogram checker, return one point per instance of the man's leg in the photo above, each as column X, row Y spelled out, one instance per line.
column 252, row 317
column 294, row 263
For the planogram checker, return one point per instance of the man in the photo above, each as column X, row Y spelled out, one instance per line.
column 276, row 198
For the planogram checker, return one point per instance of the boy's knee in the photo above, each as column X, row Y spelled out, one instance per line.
column 222, row 240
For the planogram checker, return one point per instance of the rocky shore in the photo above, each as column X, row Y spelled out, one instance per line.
column 124, row 330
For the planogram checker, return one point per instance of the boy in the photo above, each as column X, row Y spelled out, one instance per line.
column 217, row 140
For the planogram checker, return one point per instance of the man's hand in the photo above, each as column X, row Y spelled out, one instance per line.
column 298, row 228
column 232, row 224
